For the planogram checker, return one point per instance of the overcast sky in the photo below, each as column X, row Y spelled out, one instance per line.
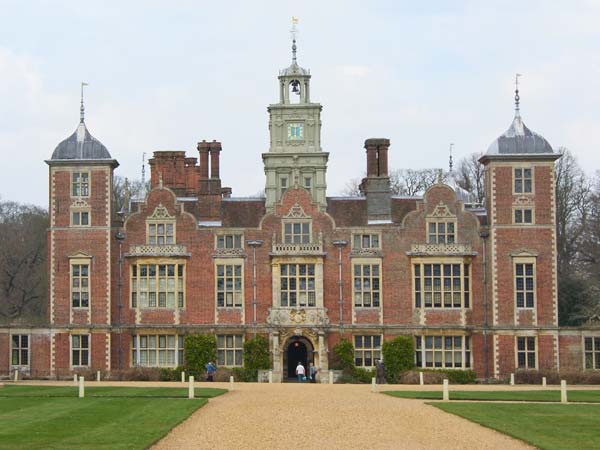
column 164, row 75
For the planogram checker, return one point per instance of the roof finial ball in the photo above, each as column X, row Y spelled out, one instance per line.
column 81, row 108
column 517, row 98
column 294, row 32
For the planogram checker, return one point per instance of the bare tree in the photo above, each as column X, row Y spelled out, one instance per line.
column 573, row 196
column 413, row 182
column 470, row 176
column 23, row 254
column 352, row 188
column 137, row 189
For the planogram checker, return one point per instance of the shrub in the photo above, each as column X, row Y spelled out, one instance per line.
column 245, row 374
column 554, row 377
column 399, row 356
column 256, row 353
column 362, row 375
column 199, row 350
column 437, row 376
column 343, row 356
column 169, row 374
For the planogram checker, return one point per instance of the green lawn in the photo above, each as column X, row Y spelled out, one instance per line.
column 547, row 426
column 531, row 396
column 45, row 417
column 91, row 391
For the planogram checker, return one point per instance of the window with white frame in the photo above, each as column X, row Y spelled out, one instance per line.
column 526, row 355
column 367, row 285
column 80, row 285
column 525, row 284
column 19, row 350
column 228, row 241
column 523, row 180
column 308, row 183
column 592, row 352
column 80, row 218
column 157, row 286
column 80, row 350
column 283, row 185
column 161, row 233
column 297, row 285
column 523, row 215
column 449, row 352
column 296, row 232
column 161, row 350
column 80, row 184
column 229, row 286
column 441, row 232
column 367, row 350
column 229, row 350
column 442, row 285
column 366, row 241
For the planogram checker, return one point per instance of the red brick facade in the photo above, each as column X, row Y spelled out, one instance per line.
column 193, row 259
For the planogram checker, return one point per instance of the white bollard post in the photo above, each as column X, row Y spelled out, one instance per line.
column 191, row 387
column 512, row 379
column 231, row 382
column 563, row 391
column 445, row 394
column 331, row 377
column 81, row 387
column 182, row 376
column 98, row 376
column 270, row 376
column 373, row 385
column 421, row 382
column 75, row 379
column 544, row 381
column 16, row 374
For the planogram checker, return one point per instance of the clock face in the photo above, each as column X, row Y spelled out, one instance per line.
column 295, row 131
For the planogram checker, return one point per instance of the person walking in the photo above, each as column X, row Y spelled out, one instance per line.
column 312, row 373
column 210, row 371
column 300, row 372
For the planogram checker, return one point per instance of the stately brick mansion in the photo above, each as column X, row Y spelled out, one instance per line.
column 476, row 286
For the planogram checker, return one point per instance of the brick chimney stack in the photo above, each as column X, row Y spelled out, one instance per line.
column 215, row 150
column 203, row 149
column 376, row 186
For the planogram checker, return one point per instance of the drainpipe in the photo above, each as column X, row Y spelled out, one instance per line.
column 254, row 244
column 340, row 244
column 120, row 236
column 484, row 234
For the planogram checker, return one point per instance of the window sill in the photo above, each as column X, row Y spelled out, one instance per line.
column 366, row 308
column 226, row 308
column 444, row 308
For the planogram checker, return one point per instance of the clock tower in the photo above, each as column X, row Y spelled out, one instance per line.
column 295, row 158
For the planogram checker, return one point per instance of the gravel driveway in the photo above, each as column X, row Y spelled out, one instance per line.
column 315, row 416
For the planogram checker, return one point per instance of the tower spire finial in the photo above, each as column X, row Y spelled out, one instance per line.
column 517, row 98
column 450, row 162
column 82, row 108
column 294, row 32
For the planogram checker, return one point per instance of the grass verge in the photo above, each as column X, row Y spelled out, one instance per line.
column 592, row 396
column 546, row 426
column 106, row 391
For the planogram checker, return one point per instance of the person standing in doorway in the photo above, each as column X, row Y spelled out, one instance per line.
column 312, row 373
column 300, row 372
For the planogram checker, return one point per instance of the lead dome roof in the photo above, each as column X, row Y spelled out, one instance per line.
column 80, row 145
column 519, row 140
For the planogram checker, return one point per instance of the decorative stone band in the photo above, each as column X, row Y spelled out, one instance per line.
column 441, row 250
column 158, row 250
column 231, row 252
column 297, row 249
column 300, row 316
column 362, row 252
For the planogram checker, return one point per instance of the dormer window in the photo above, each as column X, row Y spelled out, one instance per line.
column 441, row 232
column 160, row 227
column 296, row 232
column 161, row 233
column 80, row 184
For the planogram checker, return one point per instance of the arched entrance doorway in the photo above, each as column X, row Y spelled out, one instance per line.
column 299, row 349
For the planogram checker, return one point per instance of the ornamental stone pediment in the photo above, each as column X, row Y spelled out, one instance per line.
column 161, row 212
column 296, row 212
column 291, row 317
column 441, row 211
